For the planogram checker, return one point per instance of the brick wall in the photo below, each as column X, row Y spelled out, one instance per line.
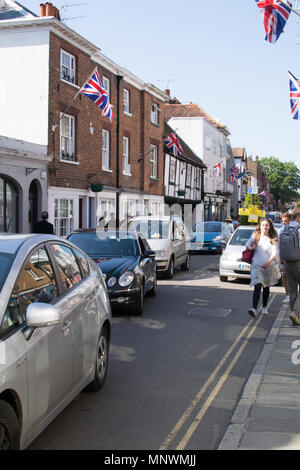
column 136, row 126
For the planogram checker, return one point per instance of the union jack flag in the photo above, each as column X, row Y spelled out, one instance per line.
column 294, row 96
column 94, row 89
column 234, row 171
column 275, row 15
column 172, row 142
column 217, row 169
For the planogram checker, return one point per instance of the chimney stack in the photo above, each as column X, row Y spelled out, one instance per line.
column 49, row 10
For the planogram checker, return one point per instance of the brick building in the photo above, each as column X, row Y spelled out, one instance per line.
column 93, row 166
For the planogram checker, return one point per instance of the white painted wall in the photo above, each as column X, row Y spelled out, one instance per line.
column 24, row 84
column 195, row 131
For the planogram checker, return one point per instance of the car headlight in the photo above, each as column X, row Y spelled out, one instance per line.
column 217, row 239
column 126, row 278
column 111, row 281
column 162, row 254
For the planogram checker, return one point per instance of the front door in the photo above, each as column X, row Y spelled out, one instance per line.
column 33, row 206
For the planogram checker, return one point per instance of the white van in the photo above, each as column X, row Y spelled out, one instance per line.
column 168, row 238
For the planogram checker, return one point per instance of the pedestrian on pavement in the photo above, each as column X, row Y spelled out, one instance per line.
column 264, row 268
column 43, row 226
column 293, row 274
column 285, row 219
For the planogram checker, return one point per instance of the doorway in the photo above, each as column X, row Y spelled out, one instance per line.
column 33, row 206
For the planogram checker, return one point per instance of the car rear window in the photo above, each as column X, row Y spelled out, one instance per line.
column 241, row 236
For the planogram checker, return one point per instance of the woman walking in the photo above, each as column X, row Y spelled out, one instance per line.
column 264, row 269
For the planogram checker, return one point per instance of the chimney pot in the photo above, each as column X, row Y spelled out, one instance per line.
column 49, row 9
column 167, row 92
column 42, row 10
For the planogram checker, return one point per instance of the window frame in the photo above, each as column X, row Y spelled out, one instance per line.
column 64, row 230
column 154, row 116
column 72, row 69
column 126, row 156
column 105, row 150
column 154, row 161
column 70, row 138
column 126, row 101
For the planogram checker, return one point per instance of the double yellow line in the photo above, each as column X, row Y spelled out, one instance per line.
column 196, row 421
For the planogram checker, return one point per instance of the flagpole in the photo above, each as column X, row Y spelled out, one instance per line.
column 289, row 7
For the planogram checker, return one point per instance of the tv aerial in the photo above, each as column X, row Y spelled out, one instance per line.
column 65, row 14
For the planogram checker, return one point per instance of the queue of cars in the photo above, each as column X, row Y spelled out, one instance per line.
column 56, row 307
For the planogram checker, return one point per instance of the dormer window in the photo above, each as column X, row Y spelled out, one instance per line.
column 67, row 67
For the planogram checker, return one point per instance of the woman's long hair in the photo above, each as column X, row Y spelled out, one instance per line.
column 272, row 232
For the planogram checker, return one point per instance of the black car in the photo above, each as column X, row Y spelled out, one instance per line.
column 126, row 261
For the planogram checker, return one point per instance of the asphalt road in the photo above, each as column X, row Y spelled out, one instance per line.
column 175, row 373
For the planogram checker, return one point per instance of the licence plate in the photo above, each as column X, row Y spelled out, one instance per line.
column 244, row 267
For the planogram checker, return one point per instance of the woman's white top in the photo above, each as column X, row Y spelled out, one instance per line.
column 264, row 251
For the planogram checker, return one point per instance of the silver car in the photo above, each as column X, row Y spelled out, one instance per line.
column 55, row 329
column 231, row 264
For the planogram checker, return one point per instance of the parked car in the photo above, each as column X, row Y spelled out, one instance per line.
column 126, row 261
column 275, row 216
column 166, row 236
column 55, row 329
column 231, row 264
column 210, row 236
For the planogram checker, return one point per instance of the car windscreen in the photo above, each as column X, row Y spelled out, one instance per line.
column 105, row 244
column 151, row 229
column 6, row 260
column 208, row 227
column 241, row 236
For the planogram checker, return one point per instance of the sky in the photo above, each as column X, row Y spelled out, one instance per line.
column 209, row 52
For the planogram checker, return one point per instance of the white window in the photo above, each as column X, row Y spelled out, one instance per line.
column 188, row 175
column 67, row 67
column 105, row 150
column 172, row 170
column 126, row 96
column 153, row 160
column 67, row 138
column 63, row 217
column 154, row 113
column 126, row 159
column 106, row 84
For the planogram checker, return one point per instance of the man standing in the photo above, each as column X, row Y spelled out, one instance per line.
column 44, row 226
column 285, row 219
column 293, row 273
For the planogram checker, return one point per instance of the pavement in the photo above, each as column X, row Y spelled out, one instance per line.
column 267, row 417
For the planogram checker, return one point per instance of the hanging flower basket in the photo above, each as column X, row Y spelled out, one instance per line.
column 181, row 192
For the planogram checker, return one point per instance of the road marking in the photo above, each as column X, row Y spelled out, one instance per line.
column 216, row 389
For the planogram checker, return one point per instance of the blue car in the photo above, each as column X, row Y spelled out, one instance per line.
column 210, row 236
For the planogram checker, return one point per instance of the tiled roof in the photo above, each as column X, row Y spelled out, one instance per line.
column 191, row 110
column 238, row 151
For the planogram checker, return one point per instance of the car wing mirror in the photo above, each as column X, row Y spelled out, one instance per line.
column 149, row 254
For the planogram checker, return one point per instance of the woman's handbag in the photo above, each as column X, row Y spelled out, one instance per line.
column 247, row 255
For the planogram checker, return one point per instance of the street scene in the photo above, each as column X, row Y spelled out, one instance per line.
column 149, row 228
column 176, row 373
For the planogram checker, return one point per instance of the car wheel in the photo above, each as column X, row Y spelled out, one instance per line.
column 170, row 270
column 187, row 264
column 101, row 361
column 223, row 278
column 153, row 291
column 9, row 427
